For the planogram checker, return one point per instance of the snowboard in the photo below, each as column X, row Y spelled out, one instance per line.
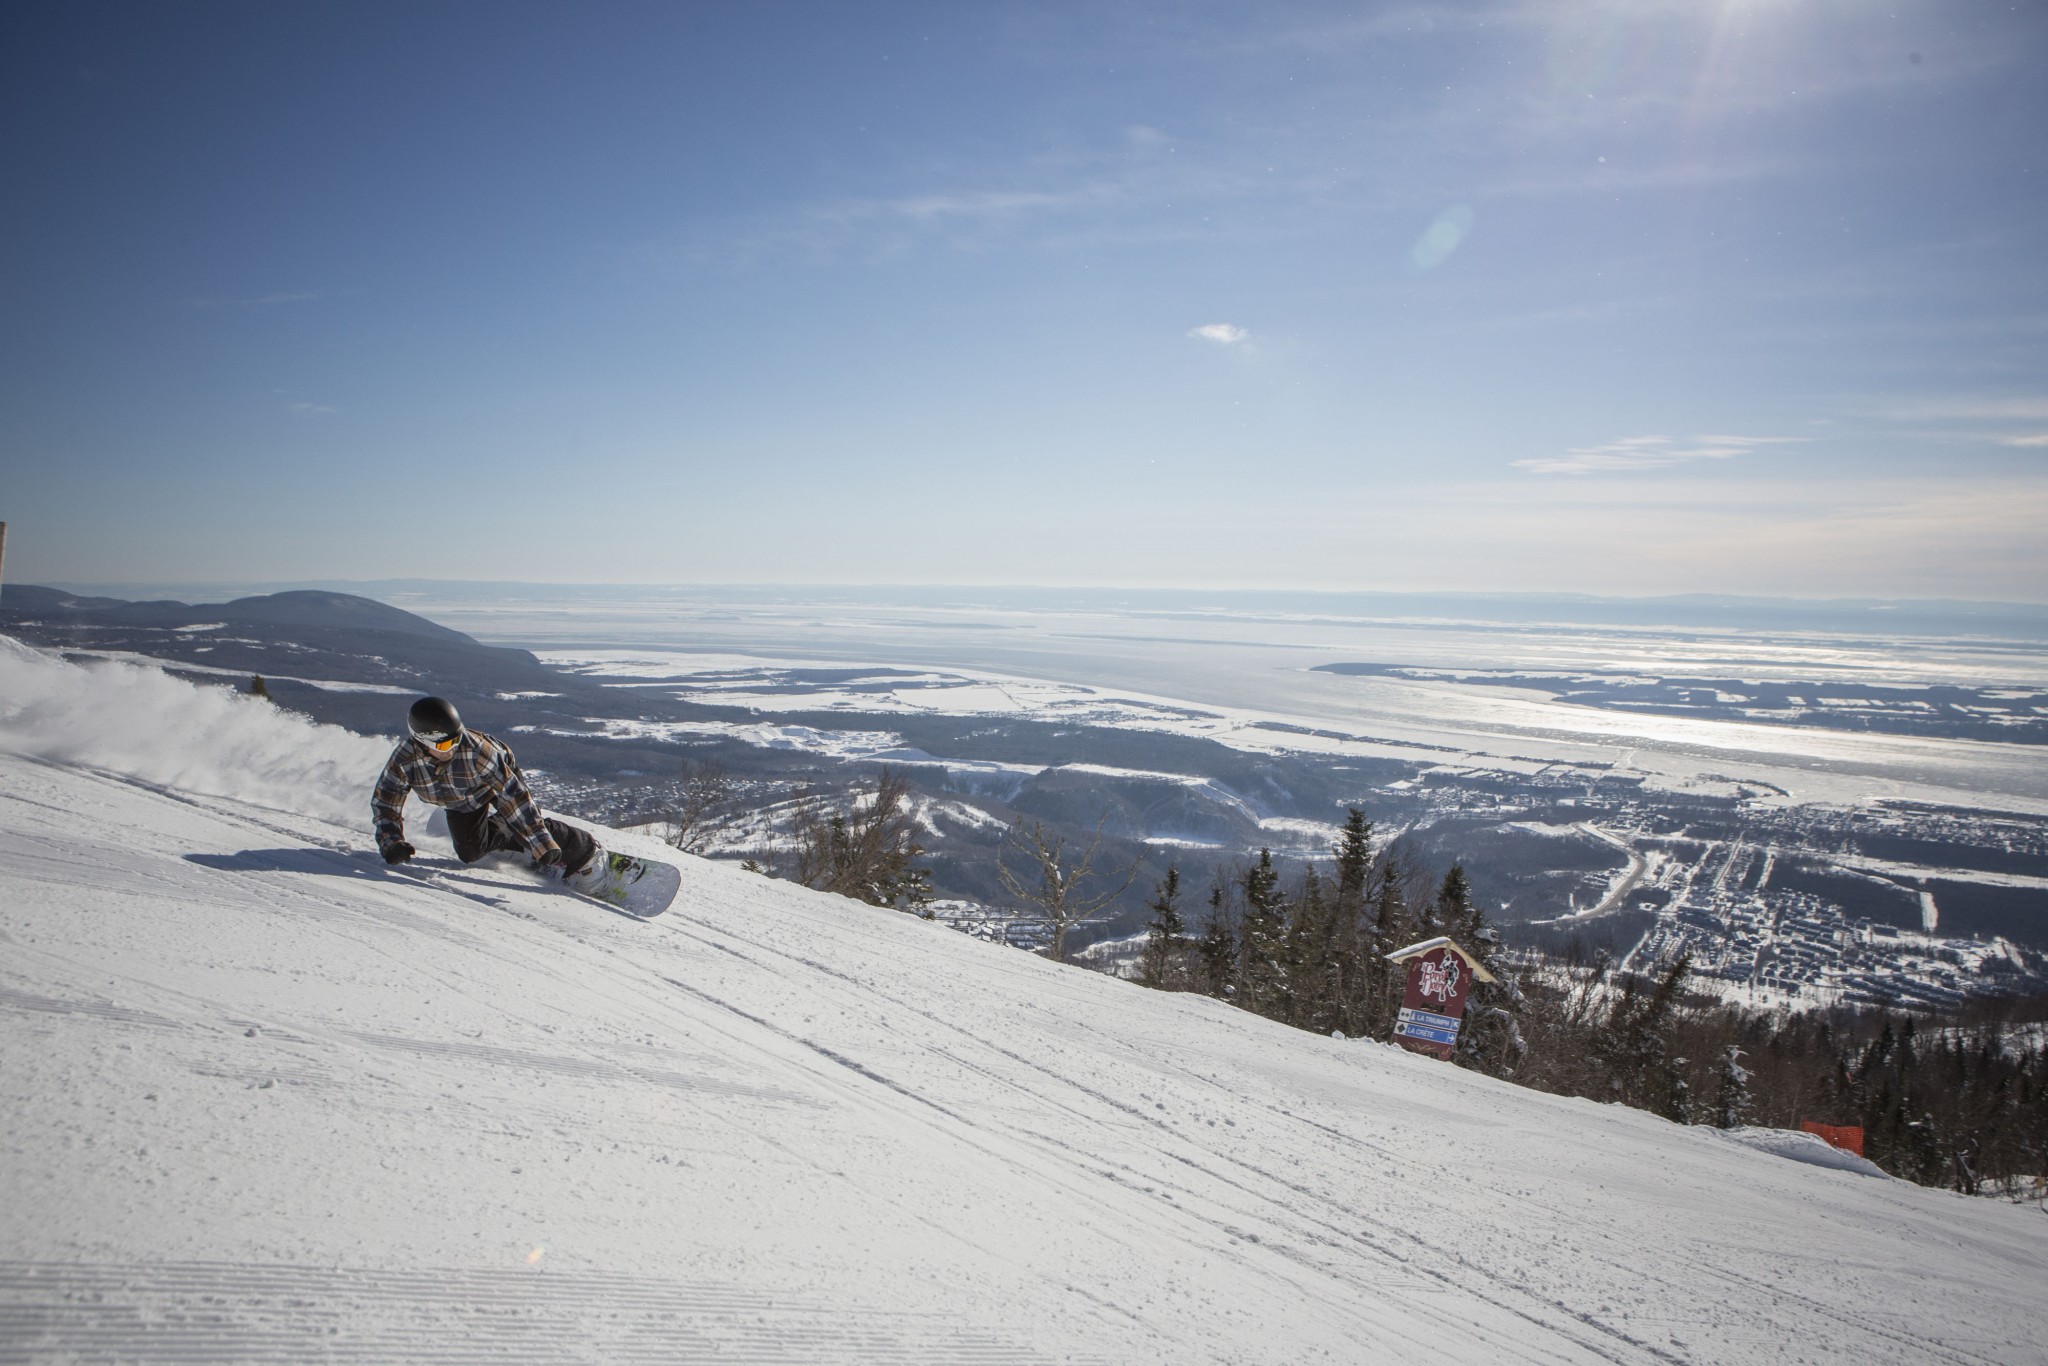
column 638, row 887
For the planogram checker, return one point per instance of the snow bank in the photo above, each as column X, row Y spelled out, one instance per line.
column 1800, row 1146
column 138, row 721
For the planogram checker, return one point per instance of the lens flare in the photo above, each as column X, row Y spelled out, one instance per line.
column 1440, row 239
column 534, row 1256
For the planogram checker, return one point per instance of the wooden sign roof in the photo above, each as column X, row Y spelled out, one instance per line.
column 1442, row 941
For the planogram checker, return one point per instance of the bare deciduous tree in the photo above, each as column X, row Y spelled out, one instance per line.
column 702, row 797
column 1051, row 889
column 865, row 850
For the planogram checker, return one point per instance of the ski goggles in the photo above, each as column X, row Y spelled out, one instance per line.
column 441, row 744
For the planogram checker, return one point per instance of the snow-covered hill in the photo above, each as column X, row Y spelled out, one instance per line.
column 262, row 1099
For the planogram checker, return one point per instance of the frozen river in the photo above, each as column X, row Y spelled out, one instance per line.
column 1246, row 667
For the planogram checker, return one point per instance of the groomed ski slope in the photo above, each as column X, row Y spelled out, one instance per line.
column 262, row 1099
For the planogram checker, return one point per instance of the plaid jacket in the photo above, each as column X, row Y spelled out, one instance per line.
column 481, row 772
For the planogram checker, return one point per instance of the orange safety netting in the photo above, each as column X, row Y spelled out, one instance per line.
column 1847, row 1137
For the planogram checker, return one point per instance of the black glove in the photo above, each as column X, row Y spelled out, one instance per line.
column 398, row 852
column 550, row 862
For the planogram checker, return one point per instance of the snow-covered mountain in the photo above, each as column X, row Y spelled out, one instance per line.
column 263, row 1099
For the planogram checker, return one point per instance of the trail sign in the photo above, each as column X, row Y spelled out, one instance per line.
column 1440, row 977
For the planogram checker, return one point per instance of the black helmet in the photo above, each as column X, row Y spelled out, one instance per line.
column 433, row 720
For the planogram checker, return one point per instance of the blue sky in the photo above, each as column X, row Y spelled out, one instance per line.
column 1614, row 296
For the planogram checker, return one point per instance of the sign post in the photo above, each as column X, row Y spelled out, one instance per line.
column 1440, row 977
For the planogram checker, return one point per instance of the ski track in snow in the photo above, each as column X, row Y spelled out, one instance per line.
column 176, row 1312
column 267, row 1100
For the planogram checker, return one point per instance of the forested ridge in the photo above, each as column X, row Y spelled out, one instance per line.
column 1958, row 1101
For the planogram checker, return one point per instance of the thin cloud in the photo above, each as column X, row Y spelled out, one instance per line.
column 313, row 409
column 2036, row 440
column 274, row 300
column 1974, row 409
column 1632, row 453
column 1139, row 186
column 1531, row 128
column 964, row 218
column 1224, row 334
column 972, row 205
column 1646, row 170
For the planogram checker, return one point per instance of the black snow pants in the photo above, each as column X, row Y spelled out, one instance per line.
column 479, row 832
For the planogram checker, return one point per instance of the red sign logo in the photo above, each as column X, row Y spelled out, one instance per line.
column 1438, row 979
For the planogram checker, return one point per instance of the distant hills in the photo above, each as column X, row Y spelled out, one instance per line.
column 300, row 608
column 1698, row 611
column 334, row 656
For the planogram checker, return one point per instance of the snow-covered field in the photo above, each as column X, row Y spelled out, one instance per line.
column 1268, row 699
column 1233, row 675
column 262, row 1099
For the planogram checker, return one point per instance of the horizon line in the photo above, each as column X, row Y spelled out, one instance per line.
column 1696, row 597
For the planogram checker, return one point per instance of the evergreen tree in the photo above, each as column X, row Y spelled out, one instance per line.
column 1262, row 973
column 1454, row 913
column 1164, row 965
column 1732, row 1103
column 1393, row 927
column 1217, row 949
column 1634, row 1046
column 1350, row 934
column 1309, row 957
column 1491, row 1039
column 1354, row 858
column 258, row 688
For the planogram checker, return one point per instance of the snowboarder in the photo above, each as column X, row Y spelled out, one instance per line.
column 475, row 779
